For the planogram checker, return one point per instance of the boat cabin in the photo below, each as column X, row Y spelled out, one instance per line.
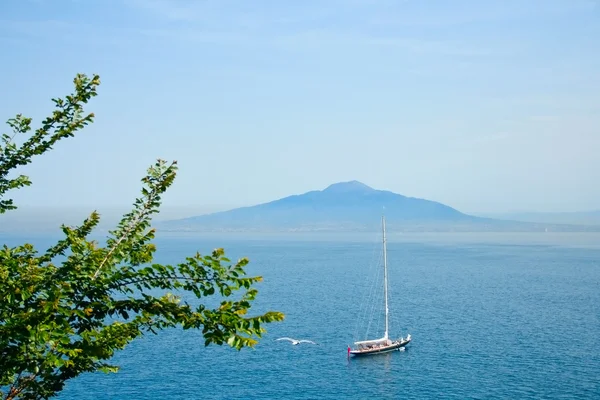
column 373, row 344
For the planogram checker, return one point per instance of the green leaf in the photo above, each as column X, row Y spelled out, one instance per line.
column 54, row 304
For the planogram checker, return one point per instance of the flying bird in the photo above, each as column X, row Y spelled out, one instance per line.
column 296, row 342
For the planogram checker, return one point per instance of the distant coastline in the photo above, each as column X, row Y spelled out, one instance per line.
column 418, row 228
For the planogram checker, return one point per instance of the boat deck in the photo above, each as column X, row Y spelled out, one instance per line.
column 396, row 345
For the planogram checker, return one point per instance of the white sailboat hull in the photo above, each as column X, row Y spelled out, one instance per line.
column 395, row 345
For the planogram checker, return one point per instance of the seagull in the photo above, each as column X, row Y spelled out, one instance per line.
column 296, row 342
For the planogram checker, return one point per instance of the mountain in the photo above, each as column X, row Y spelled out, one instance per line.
column 344, row 206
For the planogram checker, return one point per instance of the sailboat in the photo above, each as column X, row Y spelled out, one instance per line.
column 384, row 344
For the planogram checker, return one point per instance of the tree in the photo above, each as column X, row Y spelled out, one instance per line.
column 60, row 318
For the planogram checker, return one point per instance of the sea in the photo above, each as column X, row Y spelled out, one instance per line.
column 491, row 316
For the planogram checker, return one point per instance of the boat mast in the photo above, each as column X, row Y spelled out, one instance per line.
column 385, row 277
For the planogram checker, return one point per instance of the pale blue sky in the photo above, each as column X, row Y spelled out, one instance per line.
column 482, row 105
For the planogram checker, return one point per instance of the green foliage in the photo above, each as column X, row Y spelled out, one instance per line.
column 59, row 319
column 63, row 123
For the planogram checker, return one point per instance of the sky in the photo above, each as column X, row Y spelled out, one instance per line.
column 486, row 106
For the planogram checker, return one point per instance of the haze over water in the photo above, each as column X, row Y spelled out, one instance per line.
column 517, row 317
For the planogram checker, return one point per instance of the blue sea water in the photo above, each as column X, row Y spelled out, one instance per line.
column 505, row 316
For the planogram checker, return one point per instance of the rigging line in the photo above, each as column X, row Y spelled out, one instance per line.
column 369, row 304
column 363, row 316
column 368, row 289
column 392, row 295
column 372, row 294
column 380, row 315
column 376, row 300
column 364, row 291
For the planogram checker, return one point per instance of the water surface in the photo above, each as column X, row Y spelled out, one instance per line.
column 504, row 317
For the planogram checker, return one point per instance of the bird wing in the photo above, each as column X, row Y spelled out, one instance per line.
column 307, row 341
column 285, row 338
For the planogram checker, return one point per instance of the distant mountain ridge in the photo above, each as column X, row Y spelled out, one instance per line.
column 354, row 200
column 345, row 206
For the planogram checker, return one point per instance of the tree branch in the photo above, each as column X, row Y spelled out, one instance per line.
column 162, row 278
